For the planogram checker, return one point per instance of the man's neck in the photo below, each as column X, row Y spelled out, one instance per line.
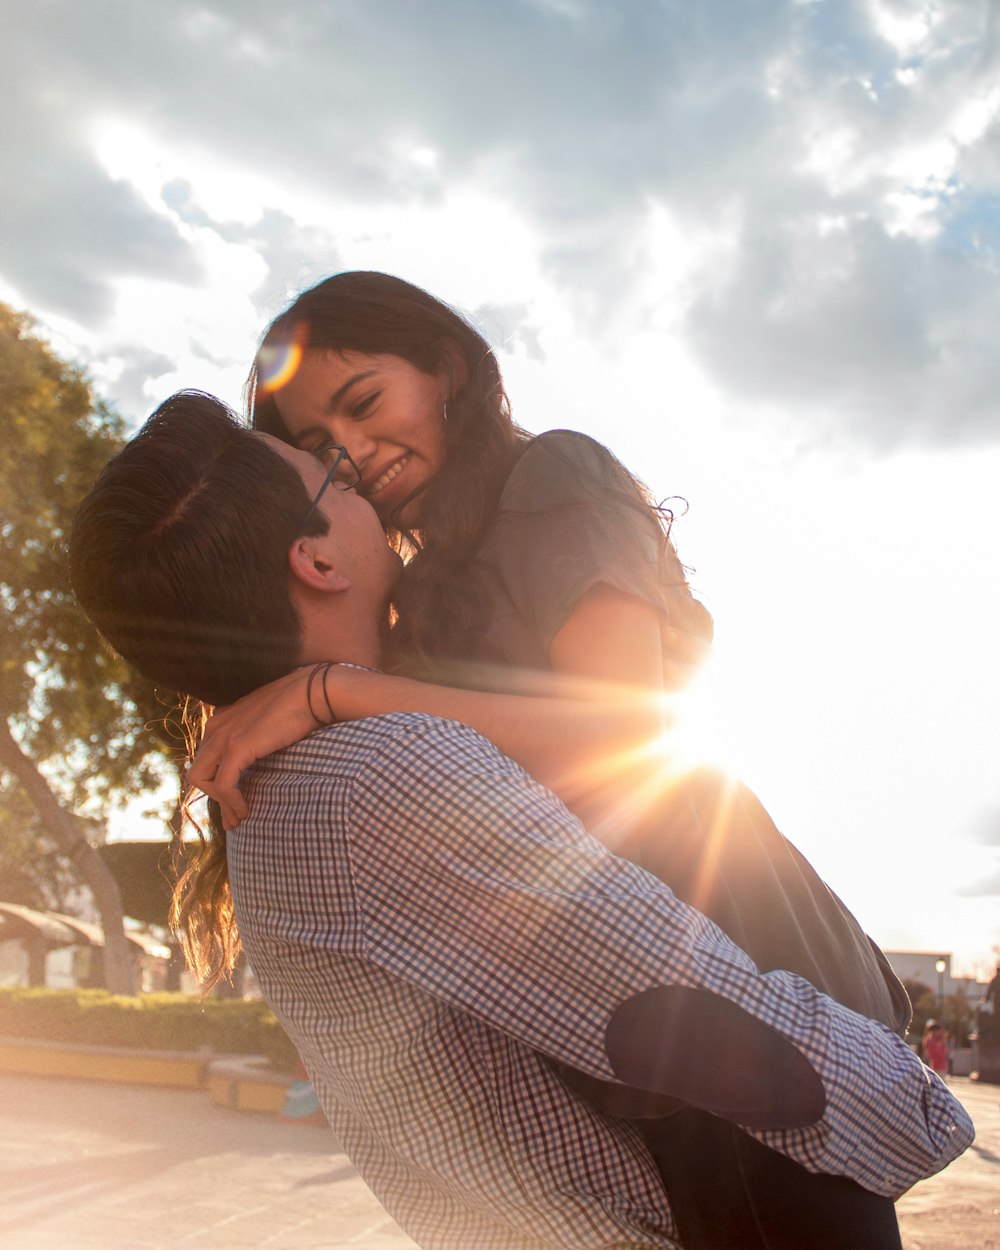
column 361, row 644
column 343, row 628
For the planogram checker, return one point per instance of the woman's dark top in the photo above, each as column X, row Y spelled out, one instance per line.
column 570, row 519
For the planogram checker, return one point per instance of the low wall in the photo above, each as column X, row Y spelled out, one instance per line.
column 240, row 1082
column 246, row 1084
column 180, row 1069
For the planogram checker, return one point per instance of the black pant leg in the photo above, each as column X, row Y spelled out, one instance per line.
column 730, row 1192
column 795, row 1208
column 696, row 1156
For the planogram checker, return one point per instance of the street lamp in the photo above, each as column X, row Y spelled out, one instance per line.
column 940, row 967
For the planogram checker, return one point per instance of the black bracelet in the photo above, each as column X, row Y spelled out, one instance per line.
column 321, row 667
column 326, row 697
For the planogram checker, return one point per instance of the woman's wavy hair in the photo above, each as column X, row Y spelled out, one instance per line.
column 378, row 314
column 179, row 556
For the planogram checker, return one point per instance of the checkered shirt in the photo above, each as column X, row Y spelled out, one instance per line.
column 432, row 926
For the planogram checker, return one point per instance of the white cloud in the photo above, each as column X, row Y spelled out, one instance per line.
column 317, row 134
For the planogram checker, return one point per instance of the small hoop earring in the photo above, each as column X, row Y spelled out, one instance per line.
column 444, row 412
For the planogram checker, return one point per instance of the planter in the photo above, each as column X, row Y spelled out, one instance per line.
column 171, row 1068
column 247, row 1084
column 961, row 1061
column 238, row 1082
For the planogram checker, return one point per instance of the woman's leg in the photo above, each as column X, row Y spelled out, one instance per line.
column 729, row 1192
column 696, row 1156
column 795, row 1208
column 713, row 843
column 720, row 850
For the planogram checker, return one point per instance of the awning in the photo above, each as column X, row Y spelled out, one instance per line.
column 55, row 929
column 17, row 921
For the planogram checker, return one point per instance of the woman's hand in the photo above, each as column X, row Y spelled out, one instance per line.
column 235, row 737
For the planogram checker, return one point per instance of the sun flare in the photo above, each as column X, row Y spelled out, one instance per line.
column 705, row 724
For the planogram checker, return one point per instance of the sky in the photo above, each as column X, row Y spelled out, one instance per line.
column 751, row 245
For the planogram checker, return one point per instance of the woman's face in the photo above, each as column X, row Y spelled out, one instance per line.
column 385, row 411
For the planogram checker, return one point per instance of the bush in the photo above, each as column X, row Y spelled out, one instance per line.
column 150, row 1022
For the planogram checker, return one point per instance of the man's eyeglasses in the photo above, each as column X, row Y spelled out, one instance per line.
column 340, row 468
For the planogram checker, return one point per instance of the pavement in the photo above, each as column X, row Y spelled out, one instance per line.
column 91, row 1166
column 959, row 1209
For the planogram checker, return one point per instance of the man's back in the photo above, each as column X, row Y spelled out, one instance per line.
column 430, row 924
column 465, row 1133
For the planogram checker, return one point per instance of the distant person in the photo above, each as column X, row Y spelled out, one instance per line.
column 934, row 1048
column 432, row 927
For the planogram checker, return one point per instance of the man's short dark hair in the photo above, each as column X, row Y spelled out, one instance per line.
column 179, row 554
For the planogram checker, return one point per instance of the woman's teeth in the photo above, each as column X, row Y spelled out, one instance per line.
column 388, row 475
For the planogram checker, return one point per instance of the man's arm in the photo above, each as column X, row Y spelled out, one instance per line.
column 478, row 886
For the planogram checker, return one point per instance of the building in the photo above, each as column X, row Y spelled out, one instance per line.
column 923, row 966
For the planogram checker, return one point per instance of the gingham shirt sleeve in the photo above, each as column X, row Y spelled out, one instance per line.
column 477, row 885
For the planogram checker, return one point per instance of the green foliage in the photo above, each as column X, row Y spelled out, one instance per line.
column 956, row 1012
column 31, row 869
column 58, row 439
column 924, row 1002
column 74, row 706
column 959, row 1017
column 149, row 1022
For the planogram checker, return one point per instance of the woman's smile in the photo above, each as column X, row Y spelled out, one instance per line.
column 384, row 478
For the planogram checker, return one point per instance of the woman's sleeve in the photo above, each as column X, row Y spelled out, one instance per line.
column 570, row 519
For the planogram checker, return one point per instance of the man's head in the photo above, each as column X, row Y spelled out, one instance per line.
column 198, row 558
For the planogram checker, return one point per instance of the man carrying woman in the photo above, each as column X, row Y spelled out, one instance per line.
column 434, row 928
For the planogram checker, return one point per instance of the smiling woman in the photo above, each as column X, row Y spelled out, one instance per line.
column 409, row 387
column 391, row 415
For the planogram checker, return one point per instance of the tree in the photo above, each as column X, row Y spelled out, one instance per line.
column 924, row 1003
column 959, row 1018
column 33, row 872
column 72, row 716
column 145, row 874
column 956, row 1013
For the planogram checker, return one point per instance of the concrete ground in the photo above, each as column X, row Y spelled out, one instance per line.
column 92, row 1166
column 959, row 1209
column 88, row 1166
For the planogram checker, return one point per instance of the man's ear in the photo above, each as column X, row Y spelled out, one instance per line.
column 309, row 563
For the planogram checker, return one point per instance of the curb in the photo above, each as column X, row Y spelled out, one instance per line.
column 238, row 1082
column 245, row 1083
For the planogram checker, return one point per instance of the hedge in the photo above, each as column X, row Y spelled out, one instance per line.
column 149, row 1022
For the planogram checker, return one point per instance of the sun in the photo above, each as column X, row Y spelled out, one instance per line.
column 707, row 724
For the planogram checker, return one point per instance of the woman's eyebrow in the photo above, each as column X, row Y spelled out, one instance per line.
column 331, row 406
column 337, row 397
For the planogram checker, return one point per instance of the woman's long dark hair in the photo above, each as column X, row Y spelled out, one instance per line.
column 437, row 607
